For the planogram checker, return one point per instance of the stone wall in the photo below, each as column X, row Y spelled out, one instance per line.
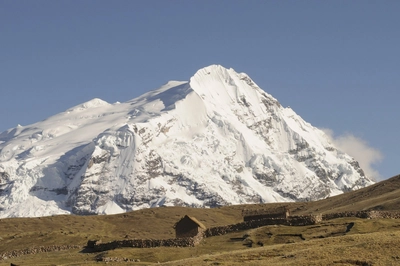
column 188, row 233
column 145, row 243
column 359, row 214
column 303, row 220
column 222, row 230
column 384, row 214
column 35, row 250
column 199, row 237
column 280, row 212
column 363, row 214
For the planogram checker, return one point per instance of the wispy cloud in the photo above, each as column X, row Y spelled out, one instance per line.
column 358, row 148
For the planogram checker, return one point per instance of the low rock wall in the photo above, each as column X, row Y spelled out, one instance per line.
column 384, row 214
column 145, row 243
column 359, row 214
column 303, row 220
column 222, row 230
column 35, row 250
column 363, row 214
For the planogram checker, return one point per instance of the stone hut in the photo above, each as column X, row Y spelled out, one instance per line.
column 188, row 227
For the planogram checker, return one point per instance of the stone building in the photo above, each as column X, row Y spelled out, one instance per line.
column 188, row 227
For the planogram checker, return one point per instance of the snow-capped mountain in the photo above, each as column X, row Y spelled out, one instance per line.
column 217, row 139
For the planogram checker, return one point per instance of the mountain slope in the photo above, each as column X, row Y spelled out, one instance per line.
column 215, row 140
column 384, row 196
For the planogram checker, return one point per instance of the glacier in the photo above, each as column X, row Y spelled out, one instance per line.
column 216, row 140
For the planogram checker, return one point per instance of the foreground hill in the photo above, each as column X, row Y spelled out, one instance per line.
column 358, row 240
column 384, row 196
column 216, row 140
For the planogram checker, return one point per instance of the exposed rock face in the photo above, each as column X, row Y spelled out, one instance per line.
column 218, row 139
column 4, row 184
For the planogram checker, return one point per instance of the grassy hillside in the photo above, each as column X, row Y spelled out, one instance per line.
column 367, row 241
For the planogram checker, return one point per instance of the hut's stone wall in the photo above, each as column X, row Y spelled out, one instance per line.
column 189, row 233
column 199, row 237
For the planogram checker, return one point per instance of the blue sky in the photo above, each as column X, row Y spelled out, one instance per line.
column 336, row 63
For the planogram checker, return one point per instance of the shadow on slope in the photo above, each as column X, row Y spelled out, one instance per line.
column 54, row 184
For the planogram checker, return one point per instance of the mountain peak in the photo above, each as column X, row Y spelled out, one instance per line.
column 214, row 70
column 215, row 140
column 231, row 94
column 96, row 102
column 215, row 78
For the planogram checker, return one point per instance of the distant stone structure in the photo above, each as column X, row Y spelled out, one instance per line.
column 278, row 213
column 188, row 227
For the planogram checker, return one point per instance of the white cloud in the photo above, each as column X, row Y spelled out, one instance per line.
column 358, row 148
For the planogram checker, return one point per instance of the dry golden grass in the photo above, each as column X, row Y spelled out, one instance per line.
column 19, row 233
column 329, row 243
column 368, row 241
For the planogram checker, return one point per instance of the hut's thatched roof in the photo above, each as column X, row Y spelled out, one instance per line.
column 197, row 222
column 201, row 225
